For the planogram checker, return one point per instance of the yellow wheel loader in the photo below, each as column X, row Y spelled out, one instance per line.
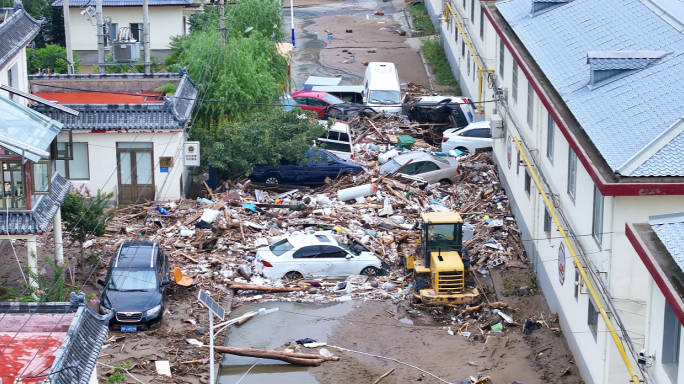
column 443, row 274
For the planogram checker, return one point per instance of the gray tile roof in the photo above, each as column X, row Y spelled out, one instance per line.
column 16, row 32
column 122, row 3
column 670, row 231
column 25, row 222
column 624, row 116
column 81, row 347
column 173, row 114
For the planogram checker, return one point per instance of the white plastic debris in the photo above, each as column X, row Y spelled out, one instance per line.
column 325, row 352
column 195, row 342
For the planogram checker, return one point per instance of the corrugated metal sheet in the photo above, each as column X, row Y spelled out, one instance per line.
column 621, row 117
column 122, row 3
column 16, row 32
column 36, row 221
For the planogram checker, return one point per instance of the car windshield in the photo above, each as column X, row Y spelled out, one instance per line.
column 441, row 159
column 348, row 249
column 332, row 99
column 391, row 166
column 133, row 280
column 280, row 247
column 385, row 97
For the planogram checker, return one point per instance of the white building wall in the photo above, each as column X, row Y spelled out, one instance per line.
column 654, row 344
column 103, row 162
column 165, row 22
column 19, row 71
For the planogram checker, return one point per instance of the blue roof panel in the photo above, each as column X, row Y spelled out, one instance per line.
column 671, row 235
column 623, row 116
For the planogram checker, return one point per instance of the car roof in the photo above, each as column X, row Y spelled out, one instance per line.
column 299, row 241
column 337, row 126
column 318, row 94
column 136, row 254
column 415, row 156
column 478, row 124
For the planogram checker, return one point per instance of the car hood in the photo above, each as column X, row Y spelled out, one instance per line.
column 131, row 301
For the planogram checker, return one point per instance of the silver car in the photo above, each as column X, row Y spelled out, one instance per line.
column 431, row 168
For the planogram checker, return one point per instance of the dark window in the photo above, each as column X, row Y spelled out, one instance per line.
column 592, row 318
column 409, row 169
column 483, row 133
column 309, row 252
column 517, row 166
column 300, row 100
column 323, row 157
column 572, row 173
column 426, row 166
column 530, row 105
column 335, row 252
column 597, row 225
column 528, row 181
column 502, row 51
column 515, row 81
column 335, row 146
column 137, row 32
column 547, row 222
column 672, row 333
column 550, row 136
column 482, row 22
column 331, row 135
column 344, row 136
column 463, row 48
column 464, row 4
column 468, row 65
column 472, row 11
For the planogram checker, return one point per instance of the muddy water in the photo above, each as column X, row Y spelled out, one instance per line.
column 292, row 321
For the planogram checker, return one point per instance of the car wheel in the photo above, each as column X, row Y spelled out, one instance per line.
column 293, row 275
column 273, row 179
column 369, row 271
column 446, row 182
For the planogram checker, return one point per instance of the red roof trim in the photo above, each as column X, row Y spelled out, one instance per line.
column 656, row 272
column 606, row 188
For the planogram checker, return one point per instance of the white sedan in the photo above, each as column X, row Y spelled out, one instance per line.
column 431, row 168
column 473, row 136
column 300, row 256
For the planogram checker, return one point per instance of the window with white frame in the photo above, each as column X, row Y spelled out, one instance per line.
column 572, row 173
column 597, row 225
column 502, row 50
column 482, row 22
column 464, row 5
column 514, row 79
column 592, row 318
column 672, row 334
column 77, row 168
column 530, row 105
column 547, row 222
column 550, row 137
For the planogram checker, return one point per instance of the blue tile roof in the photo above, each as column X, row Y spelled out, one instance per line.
column 122, row 3
column 16, row 32
column 623, row 116
column 672, row 236
column 173, row 114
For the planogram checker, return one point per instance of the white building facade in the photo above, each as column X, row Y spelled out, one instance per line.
column 601, row 157
column 167, row 18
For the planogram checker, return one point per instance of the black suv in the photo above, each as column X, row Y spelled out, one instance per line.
column 135, row 285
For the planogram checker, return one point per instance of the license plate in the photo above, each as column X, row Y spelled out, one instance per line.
column 129, row 329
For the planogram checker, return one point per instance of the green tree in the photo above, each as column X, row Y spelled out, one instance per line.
column 50, row 57
column 264, row 137
column 86, row 215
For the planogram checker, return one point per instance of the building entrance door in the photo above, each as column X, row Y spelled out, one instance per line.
column 136, row 172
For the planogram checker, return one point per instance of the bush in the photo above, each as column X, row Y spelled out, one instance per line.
column 421, row 18
column 436, row 57
column 50, row 58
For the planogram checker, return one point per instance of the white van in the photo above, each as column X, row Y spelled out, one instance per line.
column 381, row 89
column 337, row 140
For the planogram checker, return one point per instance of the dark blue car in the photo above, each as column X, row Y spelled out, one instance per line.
column 307, row 173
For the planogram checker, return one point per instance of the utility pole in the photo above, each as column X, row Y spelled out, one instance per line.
column 100, row 37
column 146, row 37
column 222, row 22
column 67, row 36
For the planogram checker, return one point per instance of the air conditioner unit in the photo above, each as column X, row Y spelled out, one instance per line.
column 496, row 125
column 126, row 51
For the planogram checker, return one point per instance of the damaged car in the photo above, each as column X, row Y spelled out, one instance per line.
column 456, row 111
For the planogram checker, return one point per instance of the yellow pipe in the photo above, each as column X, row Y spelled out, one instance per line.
column 588, row 283
column 472, row 51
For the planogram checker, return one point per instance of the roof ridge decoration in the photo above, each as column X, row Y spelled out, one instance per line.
column 541, row 6
column 608, row 66
column 650, row 149
column 16, row 32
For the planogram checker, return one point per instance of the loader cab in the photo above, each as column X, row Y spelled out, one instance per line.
column 442, row 232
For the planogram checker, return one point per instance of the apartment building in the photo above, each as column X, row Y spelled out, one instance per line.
column 588, row 91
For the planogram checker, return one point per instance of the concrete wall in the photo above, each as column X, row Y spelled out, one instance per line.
column 102, row 160
column 17, row 66
column 165, row 22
